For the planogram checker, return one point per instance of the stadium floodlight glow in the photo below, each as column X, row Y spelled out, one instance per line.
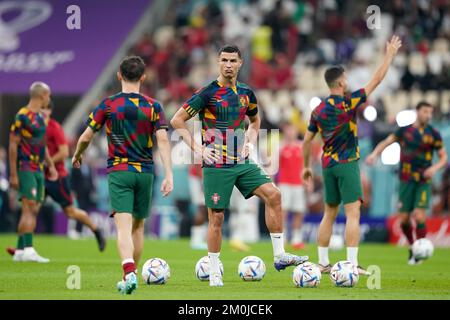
column 314, row 102
column 391, row 155
column 370, row 113
column 406, row 117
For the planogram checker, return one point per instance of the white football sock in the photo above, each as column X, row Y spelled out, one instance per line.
column 214, row 262
column 323, row 256
column 277, row 244
column 352, row 255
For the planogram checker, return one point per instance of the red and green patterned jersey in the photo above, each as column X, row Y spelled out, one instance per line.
column 417, row 146
column 31, row 128
column 131, row 119
column 335, row 120
column 222, row 111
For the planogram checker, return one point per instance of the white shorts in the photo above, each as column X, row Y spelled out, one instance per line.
column 293, row 198
column 196, row 191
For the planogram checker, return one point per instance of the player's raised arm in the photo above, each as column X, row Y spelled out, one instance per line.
column 392, row 47
column 370, row 160
column 83, row 143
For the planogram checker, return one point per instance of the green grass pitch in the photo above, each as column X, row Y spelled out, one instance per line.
column 101, row 271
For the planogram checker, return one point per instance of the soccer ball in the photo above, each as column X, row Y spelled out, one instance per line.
column 422, row 249
column 344, row 274
column 155, row 271
column 202, row 268
column 251, row 268
column 306, row 275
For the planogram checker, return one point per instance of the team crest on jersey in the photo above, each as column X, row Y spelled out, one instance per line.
column 215, row 197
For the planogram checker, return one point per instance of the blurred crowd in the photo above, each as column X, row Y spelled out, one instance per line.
column 286, row 46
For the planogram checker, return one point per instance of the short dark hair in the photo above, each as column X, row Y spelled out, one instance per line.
column 422, row 104
column 230, row 48
column 132, row 68
column 332, row 74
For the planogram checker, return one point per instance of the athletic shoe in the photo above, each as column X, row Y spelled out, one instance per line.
column 288, row 259
column 30, row 255
column 129, row 285
column 100, row 239
column 324, row 269
column 362, row 271
column 412, row 260
column 18, row 255
column 215, row 280
column 121, row 286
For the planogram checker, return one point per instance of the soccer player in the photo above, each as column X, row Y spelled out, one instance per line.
column 290, row 182
column 131, row 119
column 335, row 120
column 60, row 190
column 418, row 142
column 223, row 106
column 27, row 153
